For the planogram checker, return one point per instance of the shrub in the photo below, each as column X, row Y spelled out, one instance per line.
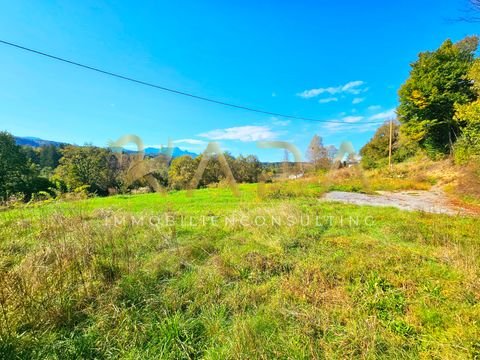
column 468, row 147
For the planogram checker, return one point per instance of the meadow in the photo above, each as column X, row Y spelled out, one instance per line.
column 98, row 278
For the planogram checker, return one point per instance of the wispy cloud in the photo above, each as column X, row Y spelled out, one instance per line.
column 348, row 128
column 352, row 124
column 352, row 119
column 241, row 133
column 353, row 87
column 327, row 100
column 278, row 122
column 386, row 115
column 190, row 141
column 348, row 125
column 374, row 107
column 358, row 101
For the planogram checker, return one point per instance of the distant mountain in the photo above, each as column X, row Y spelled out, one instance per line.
column 150, row 151
column 177, row 152
column 36, row 142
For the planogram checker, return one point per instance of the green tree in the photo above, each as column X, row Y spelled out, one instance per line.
column 88, row 165
column 375, row 152
column 32, row 154
column 468, row 118
column 49, row 156
column 15, row 174
column 427, row 99
column 213, row 171
column 254, row 169
column 181, row 172
column 246, row 169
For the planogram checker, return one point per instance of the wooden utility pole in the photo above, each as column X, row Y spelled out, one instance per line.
column 390, row 145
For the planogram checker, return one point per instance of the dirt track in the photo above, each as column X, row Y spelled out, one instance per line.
column 432, row 201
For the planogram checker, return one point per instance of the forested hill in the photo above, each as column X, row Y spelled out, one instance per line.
column 36, row 142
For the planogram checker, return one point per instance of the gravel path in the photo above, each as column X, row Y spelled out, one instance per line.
column 433, row 201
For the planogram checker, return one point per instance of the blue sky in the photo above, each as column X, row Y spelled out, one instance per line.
column 329, row 60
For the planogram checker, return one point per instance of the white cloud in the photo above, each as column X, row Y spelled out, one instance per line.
column 190, row 141
column 358, row 101
column 353, row 87
column 386, row 115
column 374, row 107
column 327, row 100
column 307, row 94
column 348, row 125
column 241, row 133
column 352, row 119
column 278, row 122
column 348, row 128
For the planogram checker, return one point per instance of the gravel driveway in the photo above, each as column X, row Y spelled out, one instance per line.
column 433, row 201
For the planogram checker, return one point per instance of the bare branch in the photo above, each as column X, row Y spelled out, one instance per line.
column 472, row 13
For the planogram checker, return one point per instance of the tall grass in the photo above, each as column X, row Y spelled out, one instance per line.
column 75, row 285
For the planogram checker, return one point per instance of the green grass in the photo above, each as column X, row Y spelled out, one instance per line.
column 75, row 285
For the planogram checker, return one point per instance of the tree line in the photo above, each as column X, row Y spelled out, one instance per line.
column 27, row 172
column 49, row 170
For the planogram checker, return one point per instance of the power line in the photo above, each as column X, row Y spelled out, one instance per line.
column 178, row 92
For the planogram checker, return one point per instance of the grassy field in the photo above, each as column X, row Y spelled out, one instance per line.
column 215, row 276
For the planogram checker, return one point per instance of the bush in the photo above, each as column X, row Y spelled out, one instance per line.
column 405, row 150
column 41, row 184
column 468, row 147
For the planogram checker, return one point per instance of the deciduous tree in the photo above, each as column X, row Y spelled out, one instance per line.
column 468, row 118
column 181, row 172
column 14, row 170
column 438, row 80
column 375, row 152
column 318, row 154
column 87, row 165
